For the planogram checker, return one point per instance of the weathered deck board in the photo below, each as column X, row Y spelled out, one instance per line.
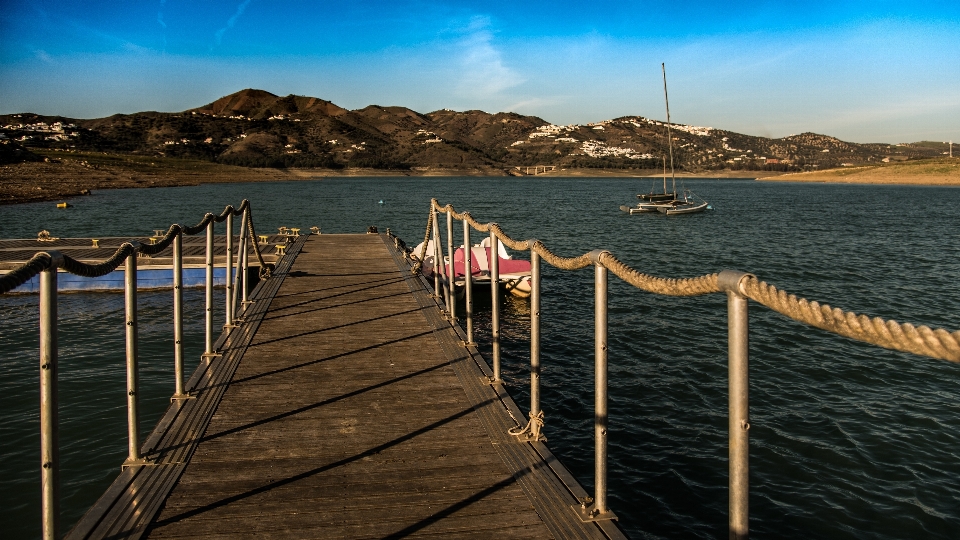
column 127, row 506
column 347, row 408
column 346, row 416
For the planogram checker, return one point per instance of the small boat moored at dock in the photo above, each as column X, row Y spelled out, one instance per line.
column 514, row 273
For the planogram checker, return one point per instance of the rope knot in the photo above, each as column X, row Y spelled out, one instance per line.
column 532, row 430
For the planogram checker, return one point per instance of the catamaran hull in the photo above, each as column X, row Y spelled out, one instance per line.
column 644, row 208
column 684, row 209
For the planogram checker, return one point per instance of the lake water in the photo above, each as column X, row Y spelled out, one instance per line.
column 847, row 440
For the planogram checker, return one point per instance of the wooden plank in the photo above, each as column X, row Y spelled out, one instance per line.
column 133, row 498
column 341, row 398
column 348, row 410
column 546, row 482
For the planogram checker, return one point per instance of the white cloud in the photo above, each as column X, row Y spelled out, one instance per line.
column 482, row 68
column 533, row 105
column 232, row 20
column 43, row 56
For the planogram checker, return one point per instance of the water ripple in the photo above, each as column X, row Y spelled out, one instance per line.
column 847, row 440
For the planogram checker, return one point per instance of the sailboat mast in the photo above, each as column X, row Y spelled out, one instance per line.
column 669, row 136
column 664, row 175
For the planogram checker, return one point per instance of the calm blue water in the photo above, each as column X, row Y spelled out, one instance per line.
column 847, row 440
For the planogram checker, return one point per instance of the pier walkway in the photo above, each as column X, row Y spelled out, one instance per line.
column 343, row 406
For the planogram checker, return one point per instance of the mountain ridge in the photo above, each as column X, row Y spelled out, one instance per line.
column 256, row 128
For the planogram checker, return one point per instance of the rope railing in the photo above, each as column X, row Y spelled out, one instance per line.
column 419, row 258
column 935, row 343
column 739, row 287
column 42, row 260
column 905, row 337
column 45, row 264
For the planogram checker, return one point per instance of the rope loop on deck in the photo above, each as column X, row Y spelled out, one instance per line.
column 532, row 430
column 905, row 337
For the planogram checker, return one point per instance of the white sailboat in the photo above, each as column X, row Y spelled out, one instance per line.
column 666, row 202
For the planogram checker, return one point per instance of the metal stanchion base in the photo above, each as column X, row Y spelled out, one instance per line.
column 232, row 325
column 490, row 381
column 208, row 356
column 467, row 344
column 142, row 462
column 178, row 397
column 586, row 512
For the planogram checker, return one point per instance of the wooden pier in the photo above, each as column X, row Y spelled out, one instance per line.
column 343, row 406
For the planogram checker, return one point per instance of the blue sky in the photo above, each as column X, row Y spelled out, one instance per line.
column 864, row 71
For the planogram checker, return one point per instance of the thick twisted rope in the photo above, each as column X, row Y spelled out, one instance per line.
column 100, row 269
column 519, row 245
column 922, row 340
column 418, row 265
column 41, row 261
column 199, row 227
column 672, row 287
column 23, row 273
column 905, row 337
column 482, row 227
column 265, row 268
column 164, row 243
column 564, row 263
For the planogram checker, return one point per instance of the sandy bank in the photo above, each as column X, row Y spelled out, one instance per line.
column 935, row 172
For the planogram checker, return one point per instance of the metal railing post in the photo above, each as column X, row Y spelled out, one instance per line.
column 597, row 510
column 436, row 261
column 228, row 301
column 240, row 304
column 439, row 268
column 133, row 383
column 246, row 260
column 49, row 404
column 208, row 343
column 600, row 388
column 178, row 315
column 535, row 335
column 494, row 268
column 236, row 278
column 468, row 281
column 451, row 273
column 738, row 329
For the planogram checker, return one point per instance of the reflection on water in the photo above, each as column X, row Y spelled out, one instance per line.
column 847, row 440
